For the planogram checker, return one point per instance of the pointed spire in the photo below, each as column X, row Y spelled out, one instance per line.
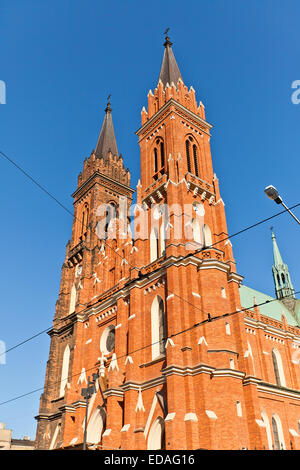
column 276, row 253
column 107, row 139
column 283, row 284
column 169, row 71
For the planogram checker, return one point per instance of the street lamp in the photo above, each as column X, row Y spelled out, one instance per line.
column 87, row 394
column 273, row 194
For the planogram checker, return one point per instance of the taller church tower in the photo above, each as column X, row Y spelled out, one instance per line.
column 151, row 312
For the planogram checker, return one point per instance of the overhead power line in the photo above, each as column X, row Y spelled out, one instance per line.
column 196, row 325
column 147, row 275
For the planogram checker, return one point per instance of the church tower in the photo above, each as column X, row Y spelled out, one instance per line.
column 281, row 275
column 157, row 313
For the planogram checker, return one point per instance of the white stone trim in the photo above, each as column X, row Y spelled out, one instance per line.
column 125, row 428
column 211, row 414
column 191, row 417
column 260, row 423
column 170, row 416
column 170, row 296
column 150, row 415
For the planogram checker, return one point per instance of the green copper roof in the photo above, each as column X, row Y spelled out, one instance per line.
column 277, row 256
column 273, row 309
column 282, row 280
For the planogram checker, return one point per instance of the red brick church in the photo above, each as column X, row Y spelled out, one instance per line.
column 187, row 356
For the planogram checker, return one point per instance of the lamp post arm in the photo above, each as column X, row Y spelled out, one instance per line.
column 293, row 215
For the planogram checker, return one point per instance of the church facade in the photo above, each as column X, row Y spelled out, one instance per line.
column 187, row 357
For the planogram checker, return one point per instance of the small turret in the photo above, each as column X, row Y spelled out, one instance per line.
column 283, row 284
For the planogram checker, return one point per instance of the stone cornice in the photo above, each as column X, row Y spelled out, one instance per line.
column 235, row 374
column 105, row 180
column 113, row 392
column 143, row 385
column 188, row 370
column 273, row 389
column 180, row 107
column 257, row 324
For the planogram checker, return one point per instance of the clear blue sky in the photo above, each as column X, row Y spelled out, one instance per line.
column 59, row 60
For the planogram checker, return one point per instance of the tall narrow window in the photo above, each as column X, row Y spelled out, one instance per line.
column 265, row 420
column 64, row 371
column 83, row 222
column 73, row 299
column 278, row 368
column 85, row 218
column 278, row 432
column 275, row 434
column 162, row 238
column 195, row 160
column 239, row 408
column 196, row 232
column 162, row 154
column 158, row 327
column 154, row 245
column 162, row 327
column 207, row 236
column 155, row 161
column 188, row 158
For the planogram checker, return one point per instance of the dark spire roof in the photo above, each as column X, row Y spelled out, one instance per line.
column 107, row 139
column 169, row 71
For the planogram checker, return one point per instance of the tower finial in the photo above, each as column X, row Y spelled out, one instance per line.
column 167, row 41
column 108, row 107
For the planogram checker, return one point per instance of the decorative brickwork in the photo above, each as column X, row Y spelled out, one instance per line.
column 206, row 386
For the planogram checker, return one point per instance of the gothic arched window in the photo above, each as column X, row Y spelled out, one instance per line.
column 96, row 426
column 155, row 161
column 156, row 436
column 188, row 157
column 275, row 434
column 196, row 232
column 159, row 163
column 85, row 218
column 278, row 433
column 278, row 368
column 195, row 160
column 162, row 154
column 207, row 236
column 110, row 217
column 265, row 420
